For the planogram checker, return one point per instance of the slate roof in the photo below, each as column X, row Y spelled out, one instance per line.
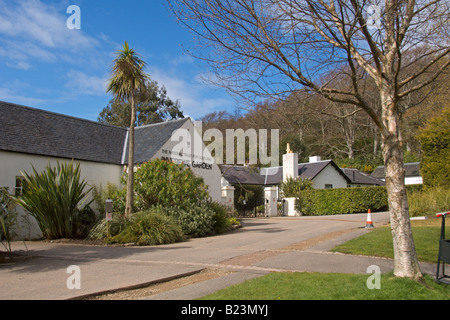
column 412, row 169
column 150, row 138
column 274, row 175
column 358, row 177
column 34, row 131
column 241, row 175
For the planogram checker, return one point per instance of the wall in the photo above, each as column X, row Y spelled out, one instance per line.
column 329, row 175
column 13, row 163
column 186, row 146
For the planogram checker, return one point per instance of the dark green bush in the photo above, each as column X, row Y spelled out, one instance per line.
column 149, row 228
column 292, row 187
column 195, row 221
column 342, row 201
column 221, row 221
column 435, row 141
column 158, row 182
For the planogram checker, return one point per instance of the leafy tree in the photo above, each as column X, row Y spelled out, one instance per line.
column 435, row 140
column 127, row 81
column 152, row 106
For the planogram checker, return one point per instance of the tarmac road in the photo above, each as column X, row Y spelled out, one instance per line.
column 260, row 246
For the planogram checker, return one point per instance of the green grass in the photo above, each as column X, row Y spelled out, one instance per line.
column 378, row 242
column 331, row 286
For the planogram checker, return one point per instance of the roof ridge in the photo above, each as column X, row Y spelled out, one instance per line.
column 329, row 160
column 160, row 123
column 60, row 114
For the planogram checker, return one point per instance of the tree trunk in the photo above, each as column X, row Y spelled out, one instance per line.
column 130, row 179
column 405, row 258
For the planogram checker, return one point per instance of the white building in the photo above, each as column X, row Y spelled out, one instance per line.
column 324, row 174
column 412, row 173
column 32, row 137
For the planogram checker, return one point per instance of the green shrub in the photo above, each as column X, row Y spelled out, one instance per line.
column 435, row 141
column 341, row 201
column 111, row 191
column 168, row 184
column 221, row 221
column 428, row 201
column 100, row 230
column 8, row 219
column 54, row 198
column 196, row 221
column 292, row 187
column 149, row 228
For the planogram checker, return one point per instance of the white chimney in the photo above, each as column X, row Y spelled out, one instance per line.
column 290, row 164
column 314, row 159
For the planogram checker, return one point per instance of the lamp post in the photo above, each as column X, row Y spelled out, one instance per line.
column 109, row 210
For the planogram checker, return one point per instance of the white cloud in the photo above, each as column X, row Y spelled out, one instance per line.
column 31, row 30
column 9, row 95
column 41, row 23
column 19, row 65
column 80, row 83
column 191, row 92
column 183, row 59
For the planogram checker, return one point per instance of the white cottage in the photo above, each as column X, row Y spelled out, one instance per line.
column 33, row 137
column 412, row 173
column 324, row 174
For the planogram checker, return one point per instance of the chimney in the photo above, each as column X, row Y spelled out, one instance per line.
column 290, row 164
column 314, row 159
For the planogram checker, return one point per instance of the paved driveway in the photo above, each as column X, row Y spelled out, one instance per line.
column 261, row 245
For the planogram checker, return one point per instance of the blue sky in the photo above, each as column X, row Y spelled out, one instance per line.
column 45, row 65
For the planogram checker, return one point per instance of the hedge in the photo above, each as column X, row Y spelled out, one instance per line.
column 342, row 201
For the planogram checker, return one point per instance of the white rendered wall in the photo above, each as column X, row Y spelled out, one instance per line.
column 329, row 175
column 12, row 164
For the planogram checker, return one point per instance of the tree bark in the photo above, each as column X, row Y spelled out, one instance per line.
column 130, row 178
column 405, row 258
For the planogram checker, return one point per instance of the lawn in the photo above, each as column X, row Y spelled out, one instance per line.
column 332, row 286
column 378, row 242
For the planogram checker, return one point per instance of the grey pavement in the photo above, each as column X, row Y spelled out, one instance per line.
column 261, row 246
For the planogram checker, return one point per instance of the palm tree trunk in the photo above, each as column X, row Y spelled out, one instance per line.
column 130, row 179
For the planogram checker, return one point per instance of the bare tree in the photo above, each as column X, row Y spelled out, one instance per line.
column 258, row 48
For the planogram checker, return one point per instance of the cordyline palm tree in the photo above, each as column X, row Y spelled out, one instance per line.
column 128, row 79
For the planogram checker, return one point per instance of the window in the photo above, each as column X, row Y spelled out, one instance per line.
column 19, row 186
column 328, row 186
